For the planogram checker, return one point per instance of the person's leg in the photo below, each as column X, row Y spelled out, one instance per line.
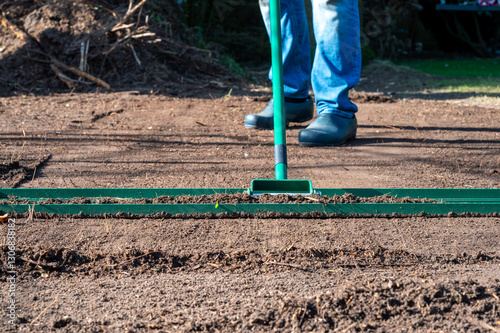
column 336, row 69
column 337, row 61
column 295, row 46
column 296, row 65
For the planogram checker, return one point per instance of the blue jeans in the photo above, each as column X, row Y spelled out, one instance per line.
column 337, row 62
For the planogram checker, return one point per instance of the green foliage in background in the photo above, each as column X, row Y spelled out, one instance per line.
column 232, row 65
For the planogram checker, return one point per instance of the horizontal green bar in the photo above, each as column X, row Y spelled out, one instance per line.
column 343, row 209
column 444, row 194
column 126, row 193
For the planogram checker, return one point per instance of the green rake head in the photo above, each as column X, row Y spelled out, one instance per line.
column 281, row 186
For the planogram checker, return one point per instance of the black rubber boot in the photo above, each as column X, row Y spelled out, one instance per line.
column 329, row 130
column 294, row 112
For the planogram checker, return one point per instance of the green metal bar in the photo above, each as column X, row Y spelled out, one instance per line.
column 341, row 209
column 278, row 92
column 129, row 193
column 444, row 194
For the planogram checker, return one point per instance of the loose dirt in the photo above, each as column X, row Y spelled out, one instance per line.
column 181, row 125
column 15, row 172
column 250, row 274
column 414, row 274
column 234, row 198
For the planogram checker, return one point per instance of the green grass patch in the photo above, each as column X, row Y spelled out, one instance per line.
column 467, row 85
column 232, row 65
column 472, row 68
column 462, row 76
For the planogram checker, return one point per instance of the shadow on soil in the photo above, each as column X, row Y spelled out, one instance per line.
column 442, row 96
column 134, row 138
column 236, row 140
column 431, row 128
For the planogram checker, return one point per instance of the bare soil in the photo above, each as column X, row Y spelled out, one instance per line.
column 349, row 274
column 185, row 129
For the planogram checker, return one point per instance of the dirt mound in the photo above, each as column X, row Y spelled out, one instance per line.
column 380, row 305
column 57, row 261
column 376, row 303
column 60, row 45
column 235, row 198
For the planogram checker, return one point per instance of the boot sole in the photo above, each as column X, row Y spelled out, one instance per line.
column 287, row 123
column 313, row 144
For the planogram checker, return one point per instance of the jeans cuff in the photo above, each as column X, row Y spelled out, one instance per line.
column 344, row 114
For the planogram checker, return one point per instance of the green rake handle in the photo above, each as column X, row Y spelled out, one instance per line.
column 278, row 93
column 279, row 185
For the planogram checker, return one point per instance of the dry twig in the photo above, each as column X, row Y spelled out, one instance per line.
column 70, row 83
column 101, row 7
column 44, row 310
column 31, row 213
column 135, row 55
column 128, row 14
column 483, row 324
column 40, row 264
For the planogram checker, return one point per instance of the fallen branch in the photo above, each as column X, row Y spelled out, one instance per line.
column 145, row 34
column 69, row 82
column 128, row 14
column 23, row 35
column 78, row 72
column 125, row 26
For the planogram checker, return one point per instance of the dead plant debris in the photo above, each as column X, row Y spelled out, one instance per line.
column 56, row 46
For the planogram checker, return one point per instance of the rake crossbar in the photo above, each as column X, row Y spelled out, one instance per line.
column 458, row 201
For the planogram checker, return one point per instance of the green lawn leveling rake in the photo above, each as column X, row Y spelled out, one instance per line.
column 447, row 201
column 281, row 184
